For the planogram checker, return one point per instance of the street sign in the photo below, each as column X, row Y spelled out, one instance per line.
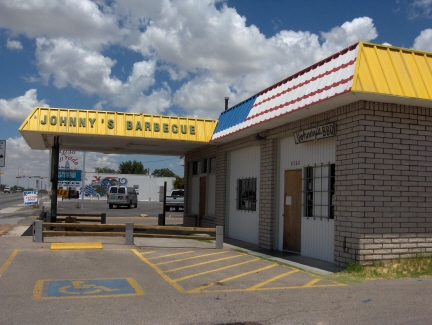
column 30, row 197
column 2, row 153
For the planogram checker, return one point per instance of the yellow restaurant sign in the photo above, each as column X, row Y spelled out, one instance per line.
column 72, row 121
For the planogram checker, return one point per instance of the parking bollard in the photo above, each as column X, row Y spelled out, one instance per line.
column 129, row 233
column 37, row 231
column 219, row 237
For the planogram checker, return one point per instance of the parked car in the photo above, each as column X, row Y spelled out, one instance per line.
column 6, row 189
column 73, row 194
column 122, row 195
column 175, row 200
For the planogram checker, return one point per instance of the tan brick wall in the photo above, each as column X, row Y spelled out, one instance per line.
column 383, row 170
column 267, row 197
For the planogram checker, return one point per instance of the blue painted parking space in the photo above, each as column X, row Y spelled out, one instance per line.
column 86, row 288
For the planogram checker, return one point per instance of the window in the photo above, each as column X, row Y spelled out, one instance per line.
column 195, row 168
column 204, row 166
column 246, row 194
column 212, row 165
column 319, row 189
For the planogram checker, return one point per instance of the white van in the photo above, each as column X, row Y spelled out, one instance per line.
column 6, row 189
column 122, row 195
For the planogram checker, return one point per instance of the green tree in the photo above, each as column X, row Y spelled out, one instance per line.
column 105, row 169
column 132, row 167
column 164, row 172
column 178, row 183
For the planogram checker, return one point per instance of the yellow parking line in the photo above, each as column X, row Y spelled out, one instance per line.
column 60, row 246
column 158, row 271
column 232, row 278
column 8, row 261
column 153, row 258
column 256, row 286
column 190, row 258
column 37, row 292
column 203, row 263
column 269, row 289
column 143, row 253
column 215, row 270
column 311, row 283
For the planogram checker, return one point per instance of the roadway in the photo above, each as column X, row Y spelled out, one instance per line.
column 10, row 199
column 13, row 211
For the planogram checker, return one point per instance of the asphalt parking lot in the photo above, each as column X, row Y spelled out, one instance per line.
column 50, row 277
column 88, row 280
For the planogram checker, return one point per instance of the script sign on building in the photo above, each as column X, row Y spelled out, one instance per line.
column 316, row 133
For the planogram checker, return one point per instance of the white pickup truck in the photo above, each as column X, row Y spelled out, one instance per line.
column 175, row 200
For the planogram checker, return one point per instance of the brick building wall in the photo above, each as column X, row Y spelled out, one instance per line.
column 383, row 198
column 383, row 174
column 267, row 202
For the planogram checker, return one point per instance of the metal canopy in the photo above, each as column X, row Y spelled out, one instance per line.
column 114, row 132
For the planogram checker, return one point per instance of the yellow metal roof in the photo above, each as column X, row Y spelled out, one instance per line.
column 393, row 71
column 115, row 132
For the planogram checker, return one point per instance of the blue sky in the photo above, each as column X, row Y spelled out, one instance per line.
column 173, row 57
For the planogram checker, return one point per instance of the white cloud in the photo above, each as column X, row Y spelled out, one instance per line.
column 156, row 102
column 81, row 20
column 202, row 97
column 420, row 8
column 140, row 79
column 206, row 51
column 14, row 45
column 360, row 29
column 69, row 63
column 194, row 36
column 20, row 107
column 424, row 41
column 21, row 160
column 93, row 160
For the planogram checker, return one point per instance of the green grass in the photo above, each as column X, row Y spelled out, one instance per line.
column 416, row 267
column 420, row 266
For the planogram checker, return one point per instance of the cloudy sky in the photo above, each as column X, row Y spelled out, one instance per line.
column 179, row 57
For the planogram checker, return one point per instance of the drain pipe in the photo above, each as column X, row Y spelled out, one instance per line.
column 226, row 102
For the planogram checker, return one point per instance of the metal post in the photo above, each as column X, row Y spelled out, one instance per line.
column 103, row 218
column 164, row 202
column 83, row 182
column 129, row 233
column 219, row 237
column 55, row 152
column 37, row 231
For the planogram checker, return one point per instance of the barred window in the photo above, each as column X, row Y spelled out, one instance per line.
column 246, row 194
column 195, row 167
column 212, row 165
column 318, row 193
column 204, row 164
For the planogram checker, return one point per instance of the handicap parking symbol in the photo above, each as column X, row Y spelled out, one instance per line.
column 87, row 288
